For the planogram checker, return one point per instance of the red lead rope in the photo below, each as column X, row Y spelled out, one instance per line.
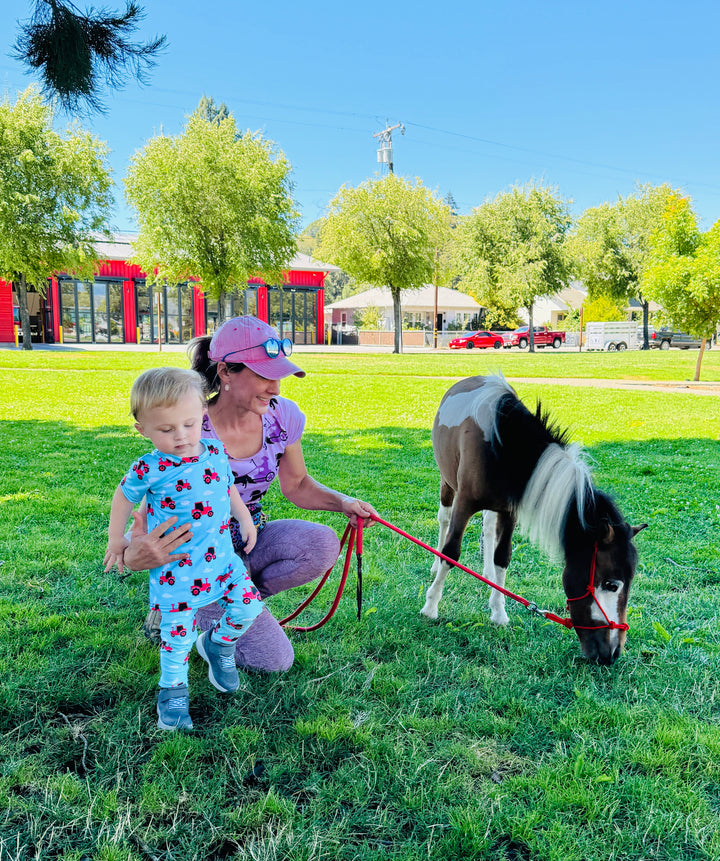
column 350, row 535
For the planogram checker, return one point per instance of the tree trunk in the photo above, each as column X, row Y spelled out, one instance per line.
column 696, row 378
column 646, row 319
column 397, row 314
column 531, row 332
column 221, row 308
column 21, row 288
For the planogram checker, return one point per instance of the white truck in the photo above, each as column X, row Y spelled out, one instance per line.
column 613, row 336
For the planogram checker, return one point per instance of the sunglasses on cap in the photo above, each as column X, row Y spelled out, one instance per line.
column 273, row 347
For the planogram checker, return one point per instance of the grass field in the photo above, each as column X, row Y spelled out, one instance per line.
column 392, row 737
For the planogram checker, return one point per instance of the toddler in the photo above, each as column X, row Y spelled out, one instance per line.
column 188, row 477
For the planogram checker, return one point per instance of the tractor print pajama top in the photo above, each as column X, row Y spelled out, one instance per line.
column 196, row 490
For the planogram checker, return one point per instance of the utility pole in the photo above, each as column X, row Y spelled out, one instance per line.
column 385, row 152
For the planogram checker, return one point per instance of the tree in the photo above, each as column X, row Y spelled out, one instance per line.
column 210, row 112
column 74, row 53
column 214, row 205
column 54, row 197
column 510, row 251
column 683, row 273
column 603, row 309
column 611, row 246
column 385, row 232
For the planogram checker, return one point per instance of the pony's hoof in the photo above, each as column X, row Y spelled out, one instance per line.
column 501, row 618
column 430, row 611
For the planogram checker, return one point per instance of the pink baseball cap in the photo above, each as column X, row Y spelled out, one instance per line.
column 245, row 339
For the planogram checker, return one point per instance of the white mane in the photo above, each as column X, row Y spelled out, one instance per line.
column 560, row 473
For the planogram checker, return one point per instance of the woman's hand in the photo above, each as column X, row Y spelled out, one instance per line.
column 356, row 508
column 158, row 547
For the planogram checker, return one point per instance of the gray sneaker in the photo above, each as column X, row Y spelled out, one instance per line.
column 151, row 627
column 220, row 658
column 172, row 708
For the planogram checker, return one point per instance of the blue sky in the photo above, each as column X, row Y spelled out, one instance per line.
column 589, row 97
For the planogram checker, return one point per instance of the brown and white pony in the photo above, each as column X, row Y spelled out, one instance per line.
column 495, row 456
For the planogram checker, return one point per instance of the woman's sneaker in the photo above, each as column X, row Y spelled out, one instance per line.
column 220, row 658
column 151, row 627
column 172, row 708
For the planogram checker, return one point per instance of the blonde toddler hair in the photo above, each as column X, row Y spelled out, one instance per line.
column 164, row 387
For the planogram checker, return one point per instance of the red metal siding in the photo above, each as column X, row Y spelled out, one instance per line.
column 7, row 329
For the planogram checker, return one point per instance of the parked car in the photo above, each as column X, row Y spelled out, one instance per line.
column 542, row 337
column 665, row 338
column 479, row 339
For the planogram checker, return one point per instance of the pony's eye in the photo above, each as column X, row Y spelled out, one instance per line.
column 610, row 585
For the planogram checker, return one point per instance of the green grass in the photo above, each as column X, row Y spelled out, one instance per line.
column 391, row 738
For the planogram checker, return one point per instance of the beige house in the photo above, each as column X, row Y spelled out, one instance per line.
column 417, row 307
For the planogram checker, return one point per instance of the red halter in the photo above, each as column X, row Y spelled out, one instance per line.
column 617, row 626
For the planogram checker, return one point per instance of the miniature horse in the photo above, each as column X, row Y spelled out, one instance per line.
column 496, row 456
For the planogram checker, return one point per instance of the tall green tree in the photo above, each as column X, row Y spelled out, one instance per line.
column 386, row 233
column 510, row 251
column 683, row 272
column 212, row 204
column 76, row 53
column 610, row 246
column 54, row 198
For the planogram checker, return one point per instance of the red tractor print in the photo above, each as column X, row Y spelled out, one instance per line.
column 199, row 586
column 164, row 463
column 210, row 554
column 168, row 502
column 151, row 510
column 249, row 595
column 224, row 526
column 221, row 578
column 187, row 561
column 213, row 449
column 167, row 577
column 200, row 509
column 210, row 475
column 182, row 485
column 182, row 607
column 166, row 646
column 141, row 469
column 179, row 631
column 236, row 626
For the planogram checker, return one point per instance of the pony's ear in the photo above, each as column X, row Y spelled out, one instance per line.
column 636, row 529
column 607, row 533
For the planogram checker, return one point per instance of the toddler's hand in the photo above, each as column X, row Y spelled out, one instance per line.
column 114, row 554
column 249, row 537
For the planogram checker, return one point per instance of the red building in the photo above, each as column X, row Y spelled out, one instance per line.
column 119, row 307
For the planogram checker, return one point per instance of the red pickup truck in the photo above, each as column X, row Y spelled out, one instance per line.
column 542, row 337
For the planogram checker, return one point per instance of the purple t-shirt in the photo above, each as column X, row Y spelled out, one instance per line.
column 283, row 425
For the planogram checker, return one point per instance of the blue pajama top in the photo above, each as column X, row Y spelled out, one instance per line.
column 196, row 490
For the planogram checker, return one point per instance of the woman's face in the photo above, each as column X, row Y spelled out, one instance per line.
column 248, row 390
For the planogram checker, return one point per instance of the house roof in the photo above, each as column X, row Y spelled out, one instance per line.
column 422, row 298
column 120, row 247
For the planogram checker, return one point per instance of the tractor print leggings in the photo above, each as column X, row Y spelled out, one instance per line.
column 179, row 631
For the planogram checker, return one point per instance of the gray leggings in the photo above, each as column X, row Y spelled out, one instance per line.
column 288, row 553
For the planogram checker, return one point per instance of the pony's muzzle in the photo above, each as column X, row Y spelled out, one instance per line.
column 602, row 647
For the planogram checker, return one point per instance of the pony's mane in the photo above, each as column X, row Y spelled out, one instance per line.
column 560, row 475
column 487, row 401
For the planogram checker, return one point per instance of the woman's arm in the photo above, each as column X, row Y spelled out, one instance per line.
column 303, row 490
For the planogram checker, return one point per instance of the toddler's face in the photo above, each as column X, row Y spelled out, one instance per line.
column 175, row 429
